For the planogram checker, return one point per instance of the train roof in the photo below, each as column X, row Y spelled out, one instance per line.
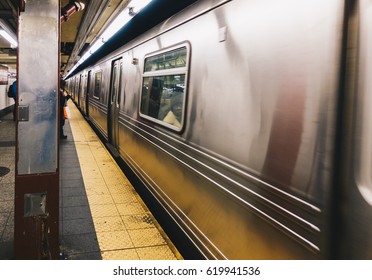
column 153, row 14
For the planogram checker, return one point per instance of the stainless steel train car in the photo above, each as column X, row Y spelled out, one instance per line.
column 249, row 121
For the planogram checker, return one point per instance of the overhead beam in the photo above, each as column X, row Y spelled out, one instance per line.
column 93, row 15
column 6, row 14
column 14, row 8
column 5, row 62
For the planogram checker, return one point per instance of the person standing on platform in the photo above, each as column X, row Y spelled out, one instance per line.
column 12, row 93
column 63, row 98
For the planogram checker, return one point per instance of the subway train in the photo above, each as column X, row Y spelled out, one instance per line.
column 248, row 122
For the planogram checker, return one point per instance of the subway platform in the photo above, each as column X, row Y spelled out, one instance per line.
column 101, row 215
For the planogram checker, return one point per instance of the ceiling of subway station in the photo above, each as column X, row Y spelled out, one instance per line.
column 8, row 22
column 77, row 32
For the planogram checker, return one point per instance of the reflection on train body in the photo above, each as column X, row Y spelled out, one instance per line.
column 248, row 123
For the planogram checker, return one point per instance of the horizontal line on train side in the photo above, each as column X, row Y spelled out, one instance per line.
column 278, row 223
column 231, row 180
column 99, row 106
column 235, row 169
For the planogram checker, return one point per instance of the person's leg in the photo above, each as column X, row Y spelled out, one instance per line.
column 61, row 134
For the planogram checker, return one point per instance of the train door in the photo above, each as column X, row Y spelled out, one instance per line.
column 355, row 231
column 114, row 103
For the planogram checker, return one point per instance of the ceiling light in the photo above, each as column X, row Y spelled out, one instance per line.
column 6, row 36
column 122, row 19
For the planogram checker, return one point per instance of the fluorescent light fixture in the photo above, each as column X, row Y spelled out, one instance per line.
column 6, row 36
column 134, row 7
column 115, row 26
column 123, row 18
column 96, row 45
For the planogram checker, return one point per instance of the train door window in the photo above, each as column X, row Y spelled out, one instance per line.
column 164, row 87
column 97, row 84
column 80, row 90
column 89, row 83
column 114, row 84
column 120, row 83
column 76, row 89
column 364, row 113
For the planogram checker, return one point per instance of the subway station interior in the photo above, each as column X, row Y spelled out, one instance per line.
column 185, row 130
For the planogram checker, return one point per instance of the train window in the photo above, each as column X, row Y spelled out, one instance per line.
column 97, row 84
column 163, row 88
column 168, row 60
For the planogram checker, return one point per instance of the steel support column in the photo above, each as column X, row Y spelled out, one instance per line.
column 36, row 230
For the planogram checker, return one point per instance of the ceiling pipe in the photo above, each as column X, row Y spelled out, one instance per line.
column 71, row 8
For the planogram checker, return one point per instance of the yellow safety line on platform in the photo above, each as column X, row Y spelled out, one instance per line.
column 124, row 226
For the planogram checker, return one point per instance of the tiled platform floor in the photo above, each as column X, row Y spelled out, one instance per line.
column 101, row 215
column 7, row 167
column 110, row 207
